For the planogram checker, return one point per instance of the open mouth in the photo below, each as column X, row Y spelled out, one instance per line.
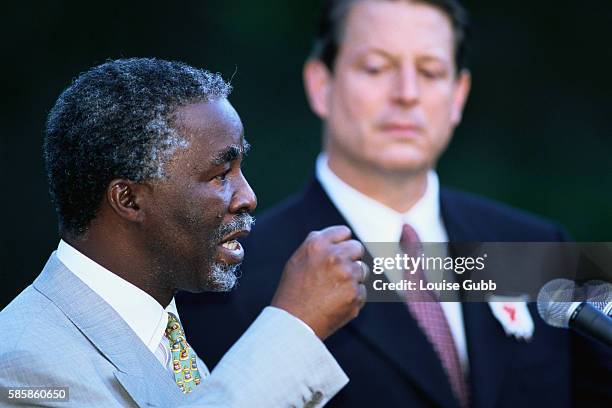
column 230, row 250
column 234, row 248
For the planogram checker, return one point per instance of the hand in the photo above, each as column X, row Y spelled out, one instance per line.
column 322, row 283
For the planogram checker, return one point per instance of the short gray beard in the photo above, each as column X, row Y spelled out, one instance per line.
column 222, row 277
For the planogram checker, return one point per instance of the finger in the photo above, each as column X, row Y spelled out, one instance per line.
column 362, row 294
column 359, row 270
column 353, row 249
column 365, row 271
column 336, row 233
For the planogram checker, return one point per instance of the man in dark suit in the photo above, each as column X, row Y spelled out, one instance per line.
column 389, row 80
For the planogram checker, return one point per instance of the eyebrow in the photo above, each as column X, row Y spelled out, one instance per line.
column 434, row 58
column 231, row 153
column 380, row 52
column 426, row 58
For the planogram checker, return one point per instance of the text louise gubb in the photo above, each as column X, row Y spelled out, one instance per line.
column 410, row 264
column 442, row 285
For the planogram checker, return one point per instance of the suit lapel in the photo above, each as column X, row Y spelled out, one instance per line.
column 490, row 351
column 386, row 327
column 137, row 368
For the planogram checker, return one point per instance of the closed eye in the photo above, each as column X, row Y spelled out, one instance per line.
column 222, row 176
column 433, row 74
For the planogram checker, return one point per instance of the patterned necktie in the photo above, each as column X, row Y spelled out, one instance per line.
column 184, row 364
column 428, row 313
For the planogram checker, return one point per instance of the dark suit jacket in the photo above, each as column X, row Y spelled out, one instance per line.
column 386, row 356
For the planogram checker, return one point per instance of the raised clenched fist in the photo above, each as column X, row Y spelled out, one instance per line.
column 322, row 283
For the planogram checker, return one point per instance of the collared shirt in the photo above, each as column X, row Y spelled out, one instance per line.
column 145, row 316
column 373, row 221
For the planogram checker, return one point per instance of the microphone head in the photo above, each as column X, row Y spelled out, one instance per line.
column 599, row 294
column 557, row 299
column 598, row 291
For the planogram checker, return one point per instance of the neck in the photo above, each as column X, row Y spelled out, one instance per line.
column 396, row 190
column 119, row 255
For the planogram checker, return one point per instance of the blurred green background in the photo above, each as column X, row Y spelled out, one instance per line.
column 536, row 133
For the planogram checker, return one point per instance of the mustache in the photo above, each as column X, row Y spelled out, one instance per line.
column 240, row 222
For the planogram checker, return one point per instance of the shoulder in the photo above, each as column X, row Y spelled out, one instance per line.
column 29, row 315
column 288, row 212
column 293, row 218
column 496, row 221
column 39, row 330
column 282, row 225
column 41, row 346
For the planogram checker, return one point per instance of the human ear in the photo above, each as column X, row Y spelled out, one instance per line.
column 317, row 81
column 125, row 198
column 462, row 90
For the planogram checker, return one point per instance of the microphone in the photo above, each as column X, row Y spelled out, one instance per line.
column 562, row 304
column 599, row 294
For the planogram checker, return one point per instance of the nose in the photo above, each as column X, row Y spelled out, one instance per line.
column 244, row 199
column 406, row 87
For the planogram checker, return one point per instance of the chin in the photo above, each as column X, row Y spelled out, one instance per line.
column 404, row 164
column 222, row 277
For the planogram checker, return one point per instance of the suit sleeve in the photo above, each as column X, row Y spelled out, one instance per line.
column 278, row 362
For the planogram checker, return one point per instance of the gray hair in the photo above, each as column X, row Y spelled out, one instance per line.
column 116, row 120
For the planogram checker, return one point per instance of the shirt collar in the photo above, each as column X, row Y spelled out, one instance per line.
column 141, row 312
column 373, row 221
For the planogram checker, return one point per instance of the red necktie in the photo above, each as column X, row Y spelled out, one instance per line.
column 428, row 313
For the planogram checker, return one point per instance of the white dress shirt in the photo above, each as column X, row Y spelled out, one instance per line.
column 373, row 221
column 141, row 312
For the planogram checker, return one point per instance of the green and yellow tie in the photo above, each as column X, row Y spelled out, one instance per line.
column 184, row 363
